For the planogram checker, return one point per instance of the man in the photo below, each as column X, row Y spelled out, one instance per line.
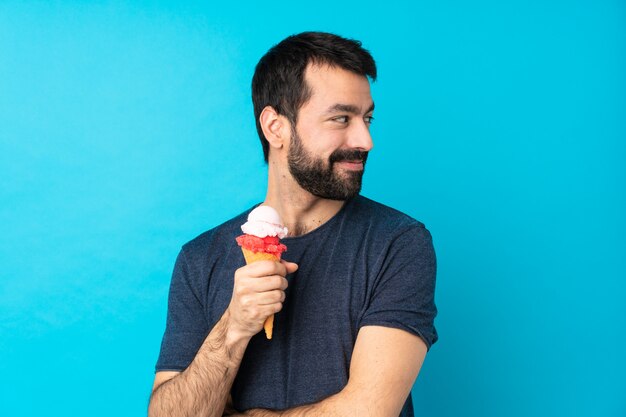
column 355, row 302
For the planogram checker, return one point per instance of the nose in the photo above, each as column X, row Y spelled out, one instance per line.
column 360, row 137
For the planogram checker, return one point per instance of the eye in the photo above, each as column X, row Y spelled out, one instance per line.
column 341, row 119
column 369, row 119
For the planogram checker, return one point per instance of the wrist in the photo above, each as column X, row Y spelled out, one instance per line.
column 235, row 340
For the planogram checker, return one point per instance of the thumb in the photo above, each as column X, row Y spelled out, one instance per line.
column 291, row 266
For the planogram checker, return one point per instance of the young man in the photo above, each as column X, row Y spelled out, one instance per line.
column 354, row 319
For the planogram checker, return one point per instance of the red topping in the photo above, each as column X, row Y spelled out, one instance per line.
column 269, row 244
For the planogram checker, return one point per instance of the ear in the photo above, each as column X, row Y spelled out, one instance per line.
column 275, row 127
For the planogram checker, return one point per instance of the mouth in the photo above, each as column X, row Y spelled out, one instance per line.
column 349, row 159
column 353, row 165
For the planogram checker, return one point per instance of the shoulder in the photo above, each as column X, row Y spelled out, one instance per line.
column 383, row 219
column 201, row 247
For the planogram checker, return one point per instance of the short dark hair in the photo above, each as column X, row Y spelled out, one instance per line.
column 278, row 79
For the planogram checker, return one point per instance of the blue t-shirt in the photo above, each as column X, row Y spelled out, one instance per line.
column 368, row 265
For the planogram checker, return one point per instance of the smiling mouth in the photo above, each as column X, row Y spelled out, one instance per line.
column 353, row 164
column 349, row 160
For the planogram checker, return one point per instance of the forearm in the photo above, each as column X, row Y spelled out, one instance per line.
column 356, row 399
column 341, row 404
column 203, row 388
column 322, row 408
column 313, row 410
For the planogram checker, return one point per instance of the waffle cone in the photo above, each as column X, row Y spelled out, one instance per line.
column 259, row 256
column 262, row 256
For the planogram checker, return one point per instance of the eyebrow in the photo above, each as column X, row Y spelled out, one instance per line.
column 347, row 108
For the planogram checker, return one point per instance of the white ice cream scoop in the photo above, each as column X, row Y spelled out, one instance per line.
column 264, row 221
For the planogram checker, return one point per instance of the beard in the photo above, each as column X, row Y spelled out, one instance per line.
column 319, row 178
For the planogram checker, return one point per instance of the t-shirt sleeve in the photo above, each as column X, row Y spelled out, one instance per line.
column 186, row 326
column 403, row 293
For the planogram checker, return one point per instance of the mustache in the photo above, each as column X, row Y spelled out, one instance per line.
column 348, row 155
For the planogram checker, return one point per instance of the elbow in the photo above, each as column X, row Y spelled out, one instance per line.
column 152, row 406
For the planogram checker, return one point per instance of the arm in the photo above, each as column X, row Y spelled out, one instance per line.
column 203, row 388
column 385, row 364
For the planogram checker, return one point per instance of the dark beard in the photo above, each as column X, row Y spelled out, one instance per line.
column 320, row 180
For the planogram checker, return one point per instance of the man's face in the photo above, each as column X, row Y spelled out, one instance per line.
column 329, row 145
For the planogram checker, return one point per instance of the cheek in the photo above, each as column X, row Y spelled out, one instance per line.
column 326, row 142
column 320, row 139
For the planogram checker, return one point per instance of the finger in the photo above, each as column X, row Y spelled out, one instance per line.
column 263, row 284
column 273, row 308
column 262, row 312
column 270, row 297
column 290, row 267
column 263, row 268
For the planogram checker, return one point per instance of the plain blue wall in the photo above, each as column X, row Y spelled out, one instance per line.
column 126, row 129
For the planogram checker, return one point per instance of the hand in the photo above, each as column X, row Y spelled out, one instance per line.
column 259, row 292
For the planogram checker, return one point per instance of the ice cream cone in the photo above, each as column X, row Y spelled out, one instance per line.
column 261, row 242
column 259, row 256
column 250, row 257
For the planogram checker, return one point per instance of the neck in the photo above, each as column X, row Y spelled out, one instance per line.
column 300, row 210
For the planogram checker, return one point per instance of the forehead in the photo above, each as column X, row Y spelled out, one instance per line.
column 333, row 85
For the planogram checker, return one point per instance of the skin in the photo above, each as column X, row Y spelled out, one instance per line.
column 385, row 361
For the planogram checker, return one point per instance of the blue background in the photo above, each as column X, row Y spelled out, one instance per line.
column 126, row 129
